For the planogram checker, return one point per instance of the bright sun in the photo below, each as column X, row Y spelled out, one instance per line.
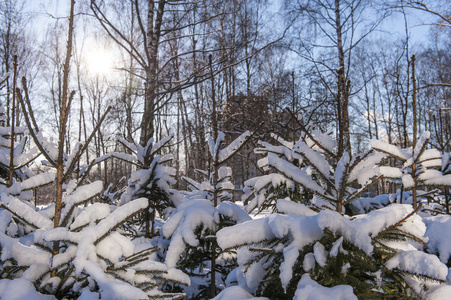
column 99, row 62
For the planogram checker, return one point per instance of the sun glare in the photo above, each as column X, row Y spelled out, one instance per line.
column 99, row 62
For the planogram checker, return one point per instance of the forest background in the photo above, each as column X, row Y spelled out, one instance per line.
column 270, row 61
column 112, row 94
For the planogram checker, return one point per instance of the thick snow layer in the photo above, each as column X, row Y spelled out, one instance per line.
column 309, row 289
column 360, row 230
column 24, row 255
column 180, row 227
column 325, row 140
column 443, row 292
column 290, row 256
column 289, row 207
column 91, row 214
column 233, row 211
column 299, row 175
column 112, row 289
column 303, row 230
column 366, row 167
column 20, row 289
column 437, row 243
column 83, row 193
column 420, row 263
column 245, row 233
column 439, row 181
column 236, row 293
column 390, row 172
column 37, row 180
column 228, row 151
column 320, row 253
column 25, row 212
column 392, row 149
column 316, row 158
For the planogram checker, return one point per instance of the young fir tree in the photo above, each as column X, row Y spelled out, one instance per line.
column 312, row 167
column 70, row 249
column 152, row 180
column 279, row 254
column 421, row 168
column 192, row 226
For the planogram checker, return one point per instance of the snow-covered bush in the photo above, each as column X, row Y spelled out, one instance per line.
column 311, row 163
column 92, row 257
column 376, row 254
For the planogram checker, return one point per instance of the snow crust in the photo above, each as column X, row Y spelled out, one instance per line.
column 309, row 289
column 236, row 293
column 20, row 289
column 437, row 244
column 360, row 230
column 420, row 263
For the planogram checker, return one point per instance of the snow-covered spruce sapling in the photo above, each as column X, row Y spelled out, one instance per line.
column 262, row 192
column 93, row 258
column 366, row 252
column 420, row 166
column 332, row 181
column 152, row 180
column 192, row 226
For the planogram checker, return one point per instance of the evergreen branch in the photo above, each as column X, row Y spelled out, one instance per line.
column 171, row 280
column 116, row 226
column 422, row 276
column 357, row 193
column 268, row 251
column 304, row 129
column 114, row 155
column 20, row 218
column 410, row 236
column 423, row 148
column 432, row 159
column 124, row 143
column 404, row 219
column 240, row 146
column 85, row 174
column 60, row 285
column 131, row 264
column 359, row 159
column 323, row 176
column 42, row 247
column 68, row 215
column 390, row 154
column 27, row 116
column 150, row 285
column 142, row 252
column 150, row 272
column 20, row 166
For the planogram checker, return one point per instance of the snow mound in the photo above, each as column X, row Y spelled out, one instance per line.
column 309, row 289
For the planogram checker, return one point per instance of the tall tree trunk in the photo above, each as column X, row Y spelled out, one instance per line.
column 153, row 39
column 344, row 142
column 65, row 104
